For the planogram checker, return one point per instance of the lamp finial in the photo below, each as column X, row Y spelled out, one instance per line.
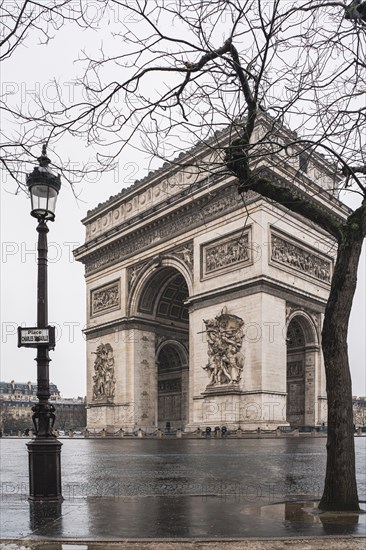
column 43, row 159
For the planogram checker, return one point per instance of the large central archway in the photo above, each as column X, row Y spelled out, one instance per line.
column 160, row 301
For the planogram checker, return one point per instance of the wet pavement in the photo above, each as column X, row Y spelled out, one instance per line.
column 178, row 490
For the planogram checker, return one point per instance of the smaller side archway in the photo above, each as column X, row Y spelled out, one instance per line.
column 303, row 361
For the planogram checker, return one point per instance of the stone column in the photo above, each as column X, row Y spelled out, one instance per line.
column 310, row 384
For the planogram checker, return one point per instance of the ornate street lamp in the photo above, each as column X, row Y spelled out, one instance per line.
column 44, row 187
column 44, row 450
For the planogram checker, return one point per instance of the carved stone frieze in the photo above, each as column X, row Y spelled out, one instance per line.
column 225, row 338
column 103, row 379
column 289, row 254
column 226, row 253
column 106, row 298
column 175, row 223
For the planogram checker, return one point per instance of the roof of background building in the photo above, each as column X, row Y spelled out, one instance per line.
column 24, row 387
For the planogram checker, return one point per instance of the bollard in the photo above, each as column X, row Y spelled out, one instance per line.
column 103, row 433
column 359, row 431
column 238, row 432
column 278, row 432
column 179, row 433
column 159, row 434
column 30, row 434
column 139, row 432
column 71, row 433
column 20, row 433
column 296, row 432
column 120, row 433
column 86, row 433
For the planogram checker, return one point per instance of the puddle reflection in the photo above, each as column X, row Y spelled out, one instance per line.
column 303, row 515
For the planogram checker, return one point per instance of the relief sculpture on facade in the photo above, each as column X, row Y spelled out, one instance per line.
column 133, row 273
column 226, row 253
column 295, row 369
column 186, row 254
column 105, row 298
column 225, row 338
column 287, row 253
column 103, row 379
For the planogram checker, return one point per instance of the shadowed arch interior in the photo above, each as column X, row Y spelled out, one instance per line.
column 164, row 295
column 303, row 356
column 162, row 303
column 172, row 386
column 170, row 358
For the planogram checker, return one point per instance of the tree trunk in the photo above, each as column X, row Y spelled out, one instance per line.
column 340, row 489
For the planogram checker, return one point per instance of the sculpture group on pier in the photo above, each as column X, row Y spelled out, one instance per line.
column 225, row 336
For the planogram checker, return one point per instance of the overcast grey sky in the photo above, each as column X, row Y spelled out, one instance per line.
column 30, row 70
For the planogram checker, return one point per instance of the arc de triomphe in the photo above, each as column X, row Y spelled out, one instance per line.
column 202, row 309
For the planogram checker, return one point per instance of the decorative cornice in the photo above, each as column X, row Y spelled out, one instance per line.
column 313, row 193
column 122, row 329
column 183, row 163
column 191, row 215
column 255, row 286
column 187, row 161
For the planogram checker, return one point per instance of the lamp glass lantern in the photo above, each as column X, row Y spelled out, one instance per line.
column 44, row 187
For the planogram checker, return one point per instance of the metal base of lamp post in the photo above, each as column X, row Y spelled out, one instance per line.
column 45, row 469
column 46, row 513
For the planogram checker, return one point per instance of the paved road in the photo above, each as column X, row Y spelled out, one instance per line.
column 174, row 489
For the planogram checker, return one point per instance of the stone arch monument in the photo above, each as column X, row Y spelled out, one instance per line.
column 203, row 310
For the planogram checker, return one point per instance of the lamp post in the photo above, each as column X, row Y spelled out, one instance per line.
column 44, row 451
